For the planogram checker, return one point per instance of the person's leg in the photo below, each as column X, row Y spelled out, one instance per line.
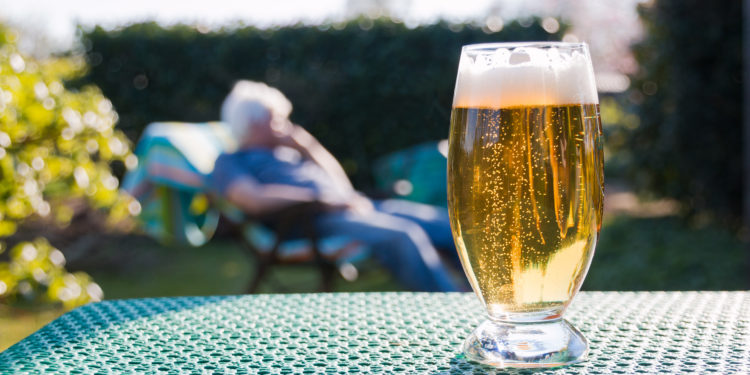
column 433, row 219
column 399, row 244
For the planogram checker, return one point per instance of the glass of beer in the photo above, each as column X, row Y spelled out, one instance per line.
column 525, row 190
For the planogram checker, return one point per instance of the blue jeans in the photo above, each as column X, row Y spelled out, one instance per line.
column 403, row 236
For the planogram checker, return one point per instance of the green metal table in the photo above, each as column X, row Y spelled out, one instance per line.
column 629, row 332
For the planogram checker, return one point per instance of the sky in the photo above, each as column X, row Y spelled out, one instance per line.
column 56, row 19
column 609, row 26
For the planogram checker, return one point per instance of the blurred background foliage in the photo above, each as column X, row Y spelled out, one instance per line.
column 363, row 87
column 687, row 96
column 56, row 148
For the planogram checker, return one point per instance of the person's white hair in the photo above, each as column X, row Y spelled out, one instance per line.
column 250, row 103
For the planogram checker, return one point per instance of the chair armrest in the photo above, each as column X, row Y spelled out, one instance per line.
column 295, row 220
column 295, row 213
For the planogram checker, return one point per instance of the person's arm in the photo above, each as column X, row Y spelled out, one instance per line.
column 230, row 180
column 258, row 199
column 304, row 142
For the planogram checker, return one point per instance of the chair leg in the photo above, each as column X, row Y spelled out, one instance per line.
column 262, row 264
column 327, row 275
column 261, row 269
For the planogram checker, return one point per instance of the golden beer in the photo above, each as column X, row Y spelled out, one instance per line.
column 525, row 190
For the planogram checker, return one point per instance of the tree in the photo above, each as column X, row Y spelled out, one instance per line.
column 56, row 147
column 689, row 91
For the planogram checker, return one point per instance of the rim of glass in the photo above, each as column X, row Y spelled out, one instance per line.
column 495, row 45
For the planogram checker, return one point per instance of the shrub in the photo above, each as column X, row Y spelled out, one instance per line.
column 56, row 146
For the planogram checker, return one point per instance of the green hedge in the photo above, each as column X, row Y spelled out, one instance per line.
column 364, row 88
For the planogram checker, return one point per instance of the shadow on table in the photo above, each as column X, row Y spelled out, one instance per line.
column 459, row 365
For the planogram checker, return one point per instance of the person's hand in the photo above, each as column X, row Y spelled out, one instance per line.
column 282, row 131
column 360, row 204
column 292, row 136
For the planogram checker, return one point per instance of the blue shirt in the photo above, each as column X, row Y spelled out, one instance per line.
column 282, row 166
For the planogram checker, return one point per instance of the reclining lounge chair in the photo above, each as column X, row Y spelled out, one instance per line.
column 170, row 182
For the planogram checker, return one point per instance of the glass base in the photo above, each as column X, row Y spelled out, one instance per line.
column 538, row 344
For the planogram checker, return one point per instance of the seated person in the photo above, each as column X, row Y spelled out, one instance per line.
column 279, row 164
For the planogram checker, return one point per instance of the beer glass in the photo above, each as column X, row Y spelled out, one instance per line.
column 525, row 190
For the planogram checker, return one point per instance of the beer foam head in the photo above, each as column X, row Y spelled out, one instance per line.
column 501, row 76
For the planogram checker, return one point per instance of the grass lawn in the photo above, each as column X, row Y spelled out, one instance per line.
column 665, row 253
column 218, row 268
column 633, row 254
column 17, row 324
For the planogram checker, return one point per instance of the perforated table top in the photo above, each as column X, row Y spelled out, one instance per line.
column 644, row 332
